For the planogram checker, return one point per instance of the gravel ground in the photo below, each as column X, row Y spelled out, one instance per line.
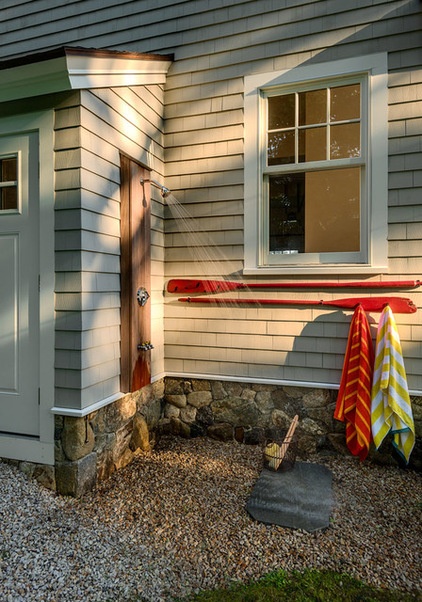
column 174, row 521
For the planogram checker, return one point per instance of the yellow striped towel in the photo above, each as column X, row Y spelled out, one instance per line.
column 390, row 401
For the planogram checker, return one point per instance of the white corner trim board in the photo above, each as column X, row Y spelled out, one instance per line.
column 80, row 413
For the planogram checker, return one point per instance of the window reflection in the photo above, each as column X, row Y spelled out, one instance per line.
column 281, row 112
column 345, row 103
column 345, row 141
column 313, row 144
column 315, row 212
column 313, row 107
column 281, row 148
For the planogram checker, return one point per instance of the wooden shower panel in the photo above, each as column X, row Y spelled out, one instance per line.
column 135, row 272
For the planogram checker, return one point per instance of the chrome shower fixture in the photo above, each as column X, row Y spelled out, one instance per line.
column 164, row 191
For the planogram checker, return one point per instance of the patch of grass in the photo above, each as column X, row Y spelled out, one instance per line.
column 307, row 586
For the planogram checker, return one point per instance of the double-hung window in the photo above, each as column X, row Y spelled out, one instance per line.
column 316, row 168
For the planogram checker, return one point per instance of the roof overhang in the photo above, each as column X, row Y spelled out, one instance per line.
column 74, row 68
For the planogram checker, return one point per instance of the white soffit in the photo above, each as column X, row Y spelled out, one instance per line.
column 78, row 68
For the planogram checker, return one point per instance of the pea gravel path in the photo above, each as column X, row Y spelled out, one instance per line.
column 175, row 521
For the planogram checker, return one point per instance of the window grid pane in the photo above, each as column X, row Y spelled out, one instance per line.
column 312, row 107
column 345, row 103
column 312, row 144
column 294, row 121
column 345, row 141
column 281, row 148
column 8, row 183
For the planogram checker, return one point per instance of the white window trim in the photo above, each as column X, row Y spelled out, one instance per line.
column 375, row 66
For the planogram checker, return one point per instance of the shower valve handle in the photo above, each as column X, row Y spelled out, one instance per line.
column 142, row 296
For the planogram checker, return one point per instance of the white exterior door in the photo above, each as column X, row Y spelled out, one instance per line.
column 19, row 285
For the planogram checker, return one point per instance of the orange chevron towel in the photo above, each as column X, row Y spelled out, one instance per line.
column 353, row 404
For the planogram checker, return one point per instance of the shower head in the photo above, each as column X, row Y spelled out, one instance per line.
column 164, row 191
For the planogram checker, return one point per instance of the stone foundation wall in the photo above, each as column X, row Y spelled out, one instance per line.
column 90, row 449
column 248, row 413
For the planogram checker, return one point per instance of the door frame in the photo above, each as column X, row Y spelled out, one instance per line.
column 40, row 449
column 135, row 275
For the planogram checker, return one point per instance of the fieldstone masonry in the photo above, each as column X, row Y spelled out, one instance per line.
column 248, row 413
column 92, row 448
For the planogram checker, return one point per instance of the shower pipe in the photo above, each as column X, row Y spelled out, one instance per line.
column 164, row 191
column 399, row 305
column 221, row 286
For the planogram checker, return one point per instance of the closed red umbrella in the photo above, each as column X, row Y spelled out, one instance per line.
column 354, row 397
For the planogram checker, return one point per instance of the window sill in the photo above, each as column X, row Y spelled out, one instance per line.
column 315, row 270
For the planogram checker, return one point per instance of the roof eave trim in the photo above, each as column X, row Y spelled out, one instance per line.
column 82, row 69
